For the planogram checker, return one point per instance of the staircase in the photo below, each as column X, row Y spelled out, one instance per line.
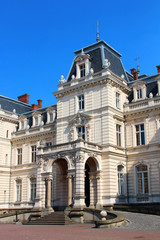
column 54, row 218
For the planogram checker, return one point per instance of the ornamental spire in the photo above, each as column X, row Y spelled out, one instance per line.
column 97, row 25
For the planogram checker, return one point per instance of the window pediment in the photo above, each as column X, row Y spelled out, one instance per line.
column 36, row 114
column 80, row 119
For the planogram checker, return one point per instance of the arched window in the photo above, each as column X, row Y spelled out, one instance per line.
column 120, row 171
column 142, row 179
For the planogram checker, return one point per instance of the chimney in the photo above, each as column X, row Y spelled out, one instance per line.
column 158, row 68
column 134, row 73
column 35, row 107
column 24, row 98
column 39, row 103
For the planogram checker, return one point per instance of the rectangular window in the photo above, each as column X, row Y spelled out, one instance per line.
column 142, row 179
column 33, row 189
column 48, row 144
column 82, row 70
column 117, row 100
column 19, row 152
column 36, row 121
column 118, row 134
column 139, row 93
column 140, row 137
column 33, row 153
column 81, row 102
column 22, row 124
column 18, row 190
column 51, row 117
column 120, row 180
column 81, row 132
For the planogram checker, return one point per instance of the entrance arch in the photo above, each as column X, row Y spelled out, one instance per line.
column 90, row 182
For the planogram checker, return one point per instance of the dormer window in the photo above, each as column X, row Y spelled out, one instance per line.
column 51, row 114
column 51, row 117
column 82, row 65
column 82, row 70
column 139, row 93
column 22, row 124
column 36, row 121
column 139, row 90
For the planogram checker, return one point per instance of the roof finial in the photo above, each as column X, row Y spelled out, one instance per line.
column 137, row 59
column 97, row 25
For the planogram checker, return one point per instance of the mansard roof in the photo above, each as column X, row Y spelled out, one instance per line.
column 98, row 52
column 9, row 104
column 151, row 85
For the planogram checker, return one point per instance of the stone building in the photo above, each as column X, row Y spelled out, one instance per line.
column 99, row 145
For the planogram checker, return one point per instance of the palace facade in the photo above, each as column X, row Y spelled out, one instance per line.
column 99, row 145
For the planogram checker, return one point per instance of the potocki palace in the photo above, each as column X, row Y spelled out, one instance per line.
column 99, row 145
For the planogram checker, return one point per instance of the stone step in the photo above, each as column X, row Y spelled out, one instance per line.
column 55, row 218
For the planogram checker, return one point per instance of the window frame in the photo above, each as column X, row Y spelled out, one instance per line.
column 140, row 134
column 142, row 180
column 33, row 153
column 118, row 100
column 82, row 70
column 139, row 93
column 81, row 129
column 81, row 104
column 121, row 180
column 118, row 135
column 18, row 190
column 19, row 156
column 33, row 186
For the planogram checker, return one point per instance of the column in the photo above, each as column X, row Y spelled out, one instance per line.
column 40, row 187
column 69, row 190
column 99, row 189
column 92, row 192
column 49, row 192
column 79, row 178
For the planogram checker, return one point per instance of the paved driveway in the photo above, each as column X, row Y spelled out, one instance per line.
column 141, row 227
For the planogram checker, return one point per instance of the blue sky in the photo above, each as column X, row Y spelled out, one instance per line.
column 38, row 39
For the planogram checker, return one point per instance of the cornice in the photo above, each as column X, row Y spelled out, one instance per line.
column 113, row 80
column 141, row 113
column 8, row 119
column 36, row 135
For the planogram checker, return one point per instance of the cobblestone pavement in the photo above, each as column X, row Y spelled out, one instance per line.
column 138, row 221
column 141, row 227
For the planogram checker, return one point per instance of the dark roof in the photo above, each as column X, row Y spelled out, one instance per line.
column 151, row 85
column 9, row 104
column 98, row 52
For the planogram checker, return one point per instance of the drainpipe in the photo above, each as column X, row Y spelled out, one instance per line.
column 10, row 176
column 125, row 136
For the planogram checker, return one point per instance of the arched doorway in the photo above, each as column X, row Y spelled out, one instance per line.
column 60, row 184
column 90, row 182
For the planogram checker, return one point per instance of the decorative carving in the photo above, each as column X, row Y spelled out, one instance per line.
column 91, row 71
column 79, row 158
column 40, row 162
column 73, row 77
column 106, row 63
column 91, row 154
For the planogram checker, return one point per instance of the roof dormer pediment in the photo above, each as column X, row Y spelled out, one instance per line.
column 36, row 114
